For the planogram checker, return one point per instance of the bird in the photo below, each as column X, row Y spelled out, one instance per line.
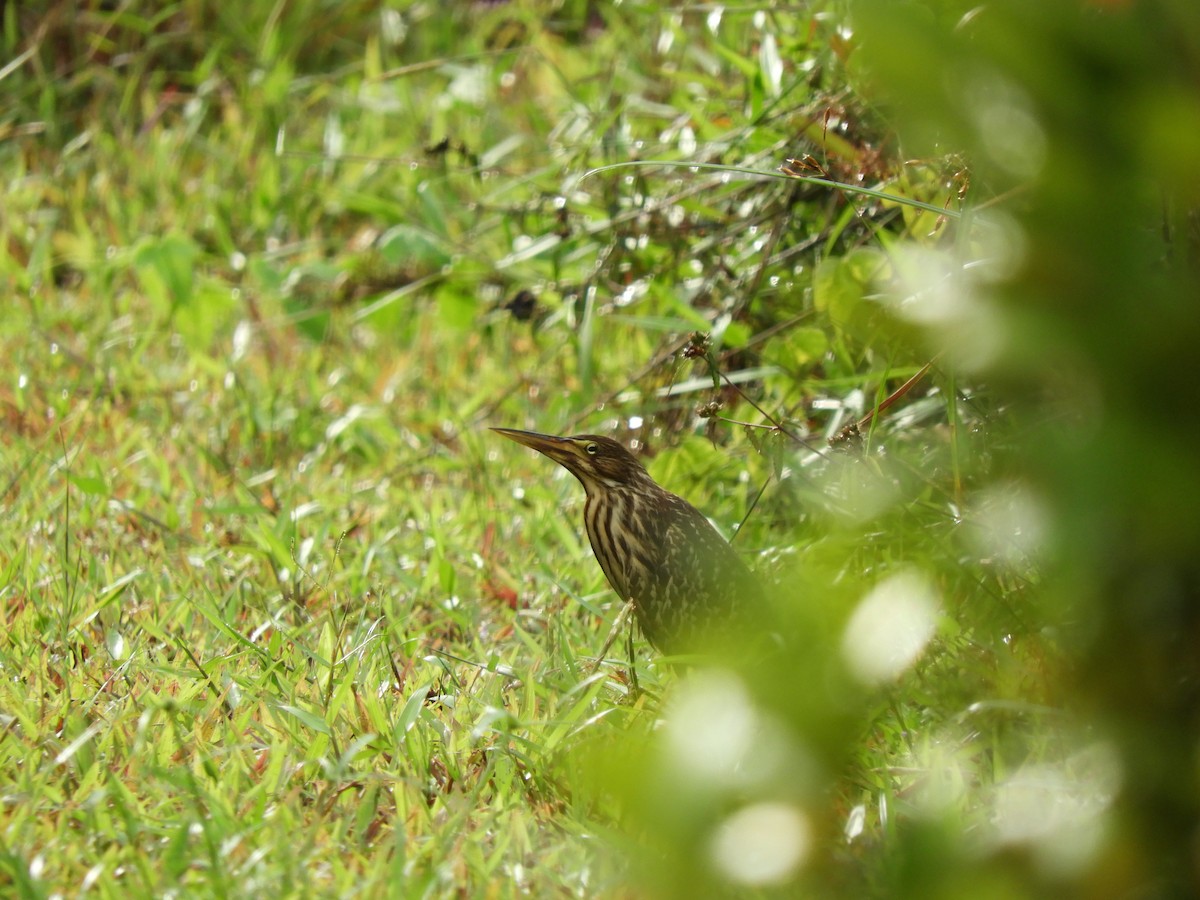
column 686, row 584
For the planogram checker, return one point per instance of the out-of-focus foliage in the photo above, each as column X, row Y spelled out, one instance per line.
column 1082, row 124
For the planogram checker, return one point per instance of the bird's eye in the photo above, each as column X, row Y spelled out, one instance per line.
column 592, row 449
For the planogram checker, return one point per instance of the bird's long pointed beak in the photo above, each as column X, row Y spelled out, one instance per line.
column 542, row 443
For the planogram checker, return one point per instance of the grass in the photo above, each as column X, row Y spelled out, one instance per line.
column 281, row 616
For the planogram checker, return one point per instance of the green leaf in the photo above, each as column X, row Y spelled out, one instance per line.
column 92, row 485
column 310, row 720
column 406, row 245
column 798, row 347
column 840, row 283
column 206, row 311
column 456, row 308
column 165, row 268
column 736, row 334
column 666, row 324
column 269, row 276
column 412, row 709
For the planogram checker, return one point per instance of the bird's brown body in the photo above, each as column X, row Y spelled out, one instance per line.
column 657, row 550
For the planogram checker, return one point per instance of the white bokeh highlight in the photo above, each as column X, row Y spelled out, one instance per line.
column 711, row 726
column 715, row 736
column 1058, row 810
column 762, row 844
column 890, row 628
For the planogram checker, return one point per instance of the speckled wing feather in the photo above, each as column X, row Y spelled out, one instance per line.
column 705, row 589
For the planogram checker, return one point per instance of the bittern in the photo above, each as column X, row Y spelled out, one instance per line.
column 659, row 553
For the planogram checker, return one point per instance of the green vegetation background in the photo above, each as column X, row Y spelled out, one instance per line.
column 281, row 617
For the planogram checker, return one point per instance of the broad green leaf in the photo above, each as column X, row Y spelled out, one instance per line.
column 306, row 718
column 92, row 485
column 165, row 267
column 412, row 709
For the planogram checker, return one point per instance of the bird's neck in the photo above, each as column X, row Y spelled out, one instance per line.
column 640, row 484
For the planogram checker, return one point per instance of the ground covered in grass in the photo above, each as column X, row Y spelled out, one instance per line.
column 282, row 617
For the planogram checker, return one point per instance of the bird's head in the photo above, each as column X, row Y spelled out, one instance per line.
column 600, row 463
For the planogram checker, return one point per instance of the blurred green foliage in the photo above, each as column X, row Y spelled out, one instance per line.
column 1080, row 119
